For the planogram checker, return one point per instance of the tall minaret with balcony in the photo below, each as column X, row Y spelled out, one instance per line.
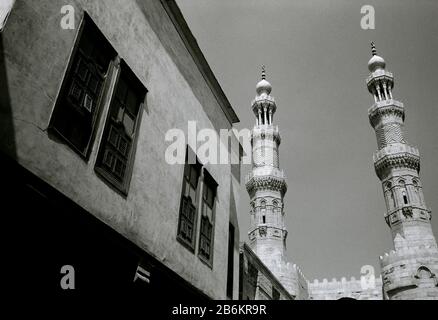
column 410, row 271
column 266, row 185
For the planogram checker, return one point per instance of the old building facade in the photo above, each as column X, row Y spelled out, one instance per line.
column 84, row 115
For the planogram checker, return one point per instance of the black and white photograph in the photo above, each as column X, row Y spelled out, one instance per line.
column 238, row 151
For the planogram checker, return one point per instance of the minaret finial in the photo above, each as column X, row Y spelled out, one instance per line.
column 263, row 72
column 373, row 48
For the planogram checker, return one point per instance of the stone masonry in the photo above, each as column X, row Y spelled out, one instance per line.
column 266, row 185
column 409, row 271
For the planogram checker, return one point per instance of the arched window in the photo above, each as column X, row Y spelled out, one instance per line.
column 391, row 196
column 252, row 212
column 405, row 197
column 423, row 273
column 263, row 209
column 205, row 250
column 276, row 211
column 415, row 195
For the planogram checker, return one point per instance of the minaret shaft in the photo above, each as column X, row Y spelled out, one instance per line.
column 266, row 183
column 409, row 271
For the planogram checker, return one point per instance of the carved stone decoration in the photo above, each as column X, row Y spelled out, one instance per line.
column 394, row 218
column 266, row 182
column 425, row 278
column 276, row 233
column 424, row 273
column 407, row 212
column 262, row 231
column 399, row 162
column 393, row 109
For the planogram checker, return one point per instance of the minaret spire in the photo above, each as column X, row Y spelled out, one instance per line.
column 263, row 105
column 409, row 271
column 263, row 72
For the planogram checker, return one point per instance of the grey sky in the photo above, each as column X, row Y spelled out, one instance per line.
column 316, row 58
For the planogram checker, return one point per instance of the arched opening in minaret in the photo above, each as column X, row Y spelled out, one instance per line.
column 276, row 210
column 263, row 209
column 392, row 200
column 405, row 198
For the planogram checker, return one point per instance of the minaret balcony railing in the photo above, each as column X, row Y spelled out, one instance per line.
column 263, row 178
column 266, row 171
column 409, row 211
column 266, row 131
column 263, row 98
column 397, row 155
column 395, row 150
column 261, row 127
column 385, row 107
column 265, row 128
column 386, row 103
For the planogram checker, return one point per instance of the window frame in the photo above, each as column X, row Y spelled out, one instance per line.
column 208, row 180
column 64, row 89
column 230, row 261
column 122, row 187
column 204, row 179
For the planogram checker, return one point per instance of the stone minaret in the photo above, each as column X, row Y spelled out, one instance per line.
column 266, row 186
column 409, row 271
